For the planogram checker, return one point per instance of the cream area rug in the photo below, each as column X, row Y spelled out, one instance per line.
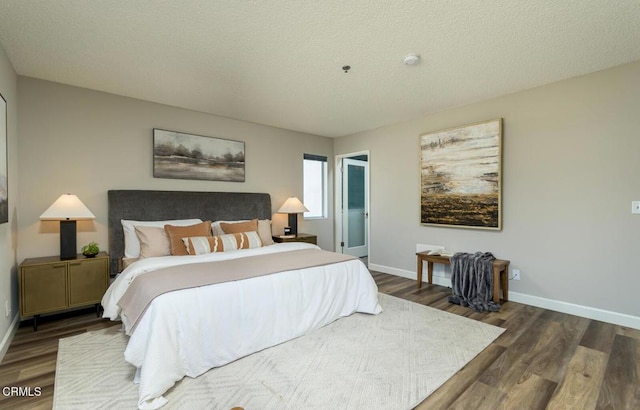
column 390, row 361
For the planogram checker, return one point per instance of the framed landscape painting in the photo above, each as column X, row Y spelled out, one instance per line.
column 460, row 174
column 4, row 166
column 188, row 156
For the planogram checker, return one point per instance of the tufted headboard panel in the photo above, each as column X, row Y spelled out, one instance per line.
column 141, row 205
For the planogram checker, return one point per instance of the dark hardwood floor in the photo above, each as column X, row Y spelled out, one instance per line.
column 31, row 358
column 544, row 359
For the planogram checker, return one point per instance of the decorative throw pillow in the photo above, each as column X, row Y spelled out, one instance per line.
column 239, row 227
column 131, row 242
column 264, row 229
column 176, row 233
column 215, row 226
column 228, row 242
column 153, row 241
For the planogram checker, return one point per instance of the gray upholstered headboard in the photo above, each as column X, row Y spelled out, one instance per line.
column 140, row 205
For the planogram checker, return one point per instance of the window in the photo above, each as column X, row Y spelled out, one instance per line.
column 315, row 186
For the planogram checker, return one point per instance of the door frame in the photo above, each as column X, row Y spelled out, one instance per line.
column 338, row 199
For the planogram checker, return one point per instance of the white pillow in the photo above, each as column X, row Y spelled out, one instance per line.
column 131, row 242
column 264, row 229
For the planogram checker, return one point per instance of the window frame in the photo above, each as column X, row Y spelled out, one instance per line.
column 324, row 182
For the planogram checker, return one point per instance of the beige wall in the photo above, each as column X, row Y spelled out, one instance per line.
column 87, row 142
column 571, row 167
column 8, row 231
column 570, row 172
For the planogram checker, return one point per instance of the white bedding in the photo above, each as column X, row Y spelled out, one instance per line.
column 187, row 332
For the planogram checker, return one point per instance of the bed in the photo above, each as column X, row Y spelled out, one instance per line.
column 270, row 298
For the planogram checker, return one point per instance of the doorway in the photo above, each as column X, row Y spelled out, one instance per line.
column 352, row 204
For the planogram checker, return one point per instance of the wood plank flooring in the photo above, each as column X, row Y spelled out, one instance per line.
column 544, row 359
column 31, row 358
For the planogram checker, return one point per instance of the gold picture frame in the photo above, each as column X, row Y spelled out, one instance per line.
column 461, row 176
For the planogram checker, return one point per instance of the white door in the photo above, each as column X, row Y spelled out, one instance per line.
column 355, row 207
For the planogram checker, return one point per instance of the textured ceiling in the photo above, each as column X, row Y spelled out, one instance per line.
column 278, row 62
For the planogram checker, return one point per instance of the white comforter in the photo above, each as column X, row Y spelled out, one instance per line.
column 187, row 332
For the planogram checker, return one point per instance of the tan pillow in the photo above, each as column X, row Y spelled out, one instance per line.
column 153, row 241
column 131, row 242
column 240, row 227
column 229, row 242
column 264, row 230
column 176, row 233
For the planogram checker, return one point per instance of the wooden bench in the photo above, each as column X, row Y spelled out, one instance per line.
column 500, row 273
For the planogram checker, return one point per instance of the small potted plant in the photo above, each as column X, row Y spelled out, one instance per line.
column 90, row 250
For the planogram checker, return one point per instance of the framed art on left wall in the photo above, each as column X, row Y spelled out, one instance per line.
column 4, row 163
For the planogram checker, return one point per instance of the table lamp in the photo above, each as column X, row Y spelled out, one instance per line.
column 67, row 209
column 293, row 207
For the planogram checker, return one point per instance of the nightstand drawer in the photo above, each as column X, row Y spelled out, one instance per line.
column 301, row 237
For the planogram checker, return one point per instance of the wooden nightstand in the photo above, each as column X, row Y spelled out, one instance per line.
column 49, row 285
column 301, row 237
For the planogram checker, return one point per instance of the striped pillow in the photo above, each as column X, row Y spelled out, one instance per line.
column 198, row 245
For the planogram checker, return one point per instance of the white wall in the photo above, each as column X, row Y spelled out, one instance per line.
column 571, row 167
column 8, row 231
column 88, row 142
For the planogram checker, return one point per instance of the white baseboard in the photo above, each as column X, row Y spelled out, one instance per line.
column 602, row 315
column 6, row 340
column 616, row 318
column 437, row 280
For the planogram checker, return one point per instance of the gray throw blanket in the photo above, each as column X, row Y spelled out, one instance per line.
column 472, row 281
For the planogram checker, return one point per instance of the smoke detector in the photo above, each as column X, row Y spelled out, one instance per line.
column 412, row 59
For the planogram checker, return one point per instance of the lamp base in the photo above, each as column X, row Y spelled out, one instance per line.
column 293, row 223
column 68, row 245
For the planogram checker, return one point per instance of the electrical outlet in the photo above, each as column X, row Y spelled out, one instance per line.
column 516, row 274
column 635, row 207
column 421, row 247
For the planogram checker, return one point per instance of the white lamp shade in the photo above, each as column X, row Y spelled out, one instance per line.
column 67, row 207
column 292, row 206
